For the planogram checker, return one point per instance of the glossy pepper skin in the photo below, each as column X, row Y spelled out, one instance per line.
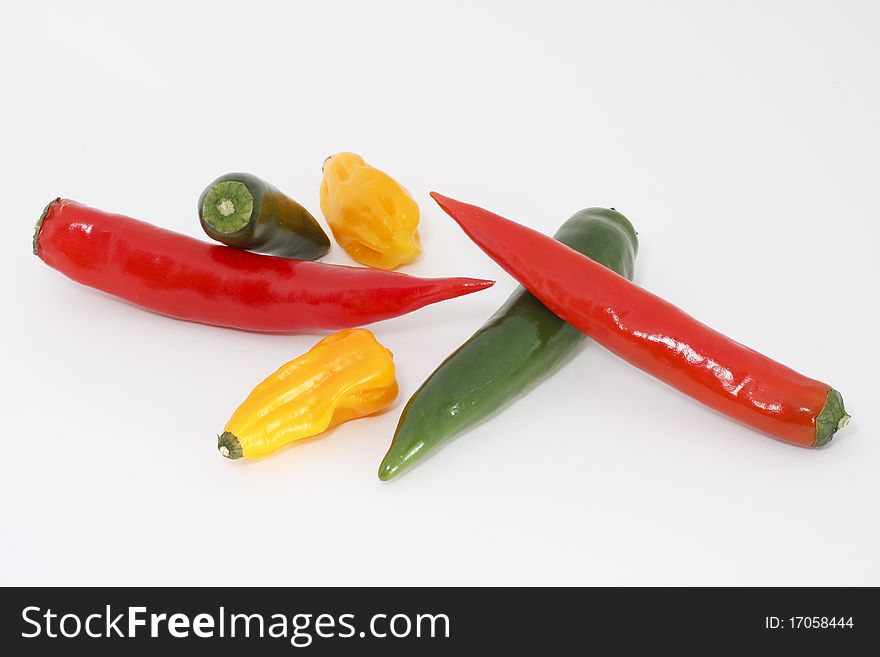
column 522, row 343
column 345, row 376
column 243, row 211
column 656, row 336
column 372, row 217
column 185, row 278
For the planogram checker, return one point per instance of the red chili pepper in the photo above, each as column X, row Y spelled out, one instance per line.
column 656, row 336
column 182, row 277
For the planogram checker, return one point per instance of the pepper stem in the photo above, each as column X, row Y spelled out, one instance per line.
column 40, row 223
column 831, row 419
column 227, row 207
column 229, row 446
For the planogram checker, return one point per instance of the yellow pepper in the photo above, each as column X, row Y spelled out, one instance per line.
column 345, row 376
column 372, row 217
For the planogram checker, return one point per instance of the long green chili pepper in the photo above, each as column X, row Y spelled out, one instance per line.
column 521, row 344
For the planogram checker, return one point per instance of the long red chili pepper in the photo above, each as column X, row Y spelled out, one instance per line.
column 182, row 277
column 656, row 336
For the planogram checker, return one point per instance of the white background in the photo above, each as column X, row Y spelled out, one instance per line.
column 741, row 139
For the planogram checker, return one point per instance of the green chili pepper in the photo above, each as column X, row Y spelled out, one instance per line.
column 521, row 344
column 241, row 210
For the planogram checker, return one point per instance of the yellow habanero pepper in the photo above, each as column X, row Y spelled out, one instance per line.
column 345, row 376
column 372, row 217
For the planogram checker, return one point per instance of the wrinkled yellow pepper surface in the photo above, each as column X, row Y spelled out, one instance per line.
column 346, row 375
column 371, row 215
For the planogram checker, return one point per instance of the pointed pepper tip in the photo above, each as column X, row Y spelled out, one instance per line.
column 443, row 201
column 387, row 470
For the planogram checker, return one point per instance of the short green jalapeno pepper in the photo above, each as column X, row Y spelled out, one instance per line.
column 243, row 211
